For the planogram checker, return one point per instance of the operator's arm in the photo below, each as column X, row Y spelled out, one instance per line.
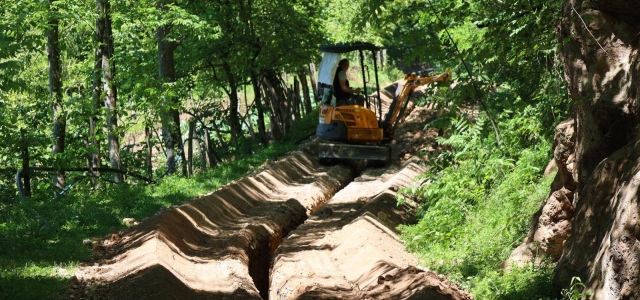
column 343, row 84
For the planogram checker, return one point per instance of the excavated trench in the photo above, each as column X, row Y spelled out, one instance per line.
column 216, row 246
column 296, row 230
column 267, row 243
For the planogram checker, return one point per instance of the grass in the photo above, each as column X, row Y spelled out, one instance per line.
column 478, row 208
column 41, row 239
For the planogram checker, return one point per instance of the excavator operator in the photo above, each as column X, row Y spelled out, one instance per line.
column 345, row 95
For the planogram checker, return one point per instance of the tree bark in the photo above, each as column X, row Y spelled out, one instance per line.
column 234, row 119
column 200, row 148
column 192, row 129
column 598, row 46
column 94, row 160
column 26, row 178
column 314, row 81
column 207, row 141
column 110, row 91
column 55, row 93
column 169, row 115
column 277, row 98
column 295, row 99
column 305, row 91
column 262, row 132
column 247, row 118
column 147, row 135
column 285, row 106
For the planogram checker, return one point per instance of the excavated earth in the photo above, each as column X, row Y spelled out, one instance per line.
column 295, row 230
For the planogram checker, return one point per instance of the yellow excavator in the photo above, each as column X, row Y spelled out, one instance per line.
column 360, row 132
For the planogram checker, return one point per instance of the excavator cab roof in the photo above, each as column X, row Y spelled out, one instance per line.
column 348, row 47
column 329, row 64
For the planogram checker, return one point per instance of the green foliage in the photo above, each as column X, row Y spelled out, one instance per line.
column 478, row 203
column 41, row 239
column 575, row 291
column 518, row 283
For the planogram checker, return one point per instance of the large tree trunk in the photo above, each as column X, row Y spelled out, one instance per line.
column 599, row 50
column 110, row 92
column 55, row 93
column 169, row 115
column 262, row 132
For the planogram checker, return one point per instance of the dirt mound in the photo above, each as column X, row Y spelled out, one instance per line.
column 412, row 283
column 216, row 246
column 344, row 249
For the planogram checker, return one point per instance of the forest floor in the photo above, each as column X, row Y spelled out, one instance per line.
column 293, row 230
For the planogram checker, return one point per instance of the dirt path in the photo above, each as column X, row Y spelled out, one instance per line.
column 297, row 230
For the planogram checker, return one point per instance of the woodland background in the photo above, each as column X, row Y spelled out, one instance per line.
column 87, row 87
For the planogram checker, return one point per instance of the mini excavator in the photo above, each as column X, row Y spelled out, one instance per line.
column 360, row 132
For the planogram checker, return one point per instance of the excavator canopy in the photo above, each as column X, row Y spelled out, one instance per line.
column 348, row 47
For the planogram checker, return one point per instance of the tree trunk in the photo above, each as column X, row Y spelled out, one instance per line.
column 200, row 148
column 295, row 99
column 207, row 144
column 147, row 136
column 223, row 145
column 169, row 115
column 234, row 119
column 192, row 129
column 247, row 118
column 262, row 132
column 314, row 81
column 598, row 45
column 55, row 94
column 110, row 97
column 305, row 91
column 93, row 146
column 274, row 124
column 277, row 96
column 26, row 178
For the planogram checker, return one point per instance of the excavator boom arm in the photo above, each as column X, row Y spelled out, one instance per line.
column 411, row 82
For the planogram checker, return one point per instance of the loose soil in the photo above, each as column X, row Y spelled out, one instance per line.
column 295, row 230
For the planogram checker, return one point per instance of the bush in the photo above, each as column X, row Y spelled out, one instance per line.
column 478, row 206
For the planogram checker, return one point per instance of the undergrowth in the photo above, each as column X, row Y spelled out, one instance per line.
column 478, row 204
column 41, row 239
